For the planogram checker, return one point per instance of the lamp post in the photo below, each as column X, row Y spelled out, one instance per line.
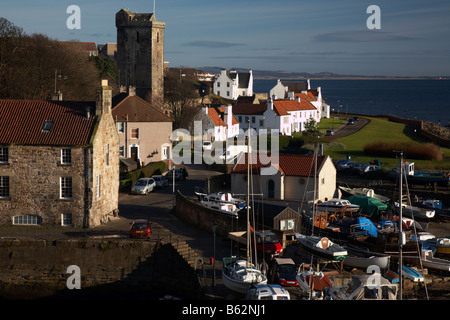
column 214, row 229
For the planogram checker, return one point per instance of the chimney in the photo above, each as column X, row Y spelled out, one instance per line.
column 57, row 96
column 270, row 103
column 132, row 91
column 228, row 115
column 309, row 84
column 88, row 112
column 104, row 99
column 290, row 95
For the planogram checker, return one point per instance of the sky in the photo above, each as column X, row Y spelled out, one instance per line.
column 413, row 38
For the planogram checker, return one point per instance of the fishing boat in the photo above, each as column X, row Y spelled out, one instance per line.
column 365, row 287
column 360, row 258
column 239, row 274
column 427, row 260
column 225, row 208
column 364, row 192
column 420, row 177
column 435, row 205
column 412, row 274
column 220, row 197
column 313, row 284
column 441, row 245
column 321, row 247
column 335, row 205
column 414, row 212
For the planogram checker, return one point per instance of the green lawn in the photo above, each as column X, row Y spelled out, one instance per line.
column 381, row 130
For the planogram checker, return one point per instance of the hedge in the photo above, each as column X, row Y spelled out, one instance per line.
column 145, row 172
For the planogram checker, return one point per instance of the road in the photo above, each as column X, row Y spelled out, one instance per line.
column 348, row 129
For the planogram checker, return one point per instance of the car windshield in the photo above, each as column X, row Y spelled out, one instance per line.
column 139, row 225
column 287, row 268
column 157, row 178
column 141, row 183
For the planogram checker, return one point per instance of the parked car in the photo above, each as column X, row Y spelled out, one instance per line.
column 351, row 121
column 329, row 132
column 345, row 165
column 355, row 166
column 143, row 186
column 140, row 229
column 178, row 175
column 184, row 173
column 284, row 272
column 367, row 168
column 161, row 181
column 207, row 145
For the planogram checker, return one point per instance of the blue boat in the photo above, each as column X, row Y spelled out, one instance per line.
column 411, row 274
column 421, row 177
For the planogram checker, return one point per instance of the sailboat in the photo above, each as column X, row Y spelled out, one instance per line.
column 239, row 274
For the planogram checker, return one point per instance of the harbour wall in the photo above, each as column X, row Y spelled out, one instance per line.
column 115, row 268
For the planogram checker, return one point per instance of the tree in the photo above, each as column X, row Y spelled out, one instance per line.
column 181, row 96
column 312, row 131
column 33, row 66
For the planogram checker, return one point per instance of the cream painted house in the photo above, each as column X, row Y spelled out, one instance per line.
column 293, row 178
column 144, row 131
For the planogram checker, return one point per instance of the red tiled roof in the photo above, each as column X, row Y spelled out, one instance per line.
column 22, row 122
column 134, row 108
column 282, row 107
column 221, row 110
column 289, row 165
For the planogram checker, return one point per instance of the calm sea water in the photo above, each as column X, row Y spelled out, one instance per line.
column 414, row 99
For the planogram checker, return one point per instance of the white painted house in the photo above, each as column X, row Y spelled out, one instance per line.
column 233, row 84
column 218, row 123
column 285, row 115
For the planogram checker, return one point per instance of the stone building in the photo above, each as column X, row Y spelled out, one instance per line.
column 59, row 162
column 140, row 54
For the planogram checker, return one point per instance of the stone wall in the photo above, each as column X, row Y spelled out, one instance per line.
column 32, row 269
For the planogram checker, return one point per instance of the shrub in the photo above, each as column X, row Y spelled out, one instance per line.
column 422, row 151
column 144, row 172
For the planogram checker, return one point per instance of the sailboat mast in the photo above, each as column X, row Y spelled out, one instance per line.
column 248, row 195
column 400, row 236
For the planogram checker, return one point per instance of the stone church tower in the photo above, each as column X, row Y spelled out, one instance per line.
column 140, row 54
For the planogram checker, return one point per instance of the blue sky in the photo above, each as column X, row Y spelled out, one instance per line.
column 283, row 35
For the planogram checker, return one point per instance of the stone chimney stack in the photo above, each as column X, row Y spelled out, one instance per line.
column 104, row 99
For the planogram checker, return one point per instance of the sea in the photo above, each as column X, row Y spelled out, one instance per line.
column 420, row 99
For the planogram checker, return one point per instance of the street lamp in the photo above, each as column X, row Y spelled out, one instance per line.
column 214, row 229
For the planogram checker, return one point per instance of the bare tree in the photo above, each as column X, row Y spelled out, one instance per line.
column 181, row 96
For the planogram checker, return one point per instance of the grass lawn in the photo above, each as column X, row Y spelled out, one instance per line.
column 386, row 131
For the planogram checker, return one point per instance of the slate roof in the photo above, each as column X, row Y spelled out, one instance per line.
column 22, row 122
column 289, row 164
column 136, row 109
column 249, row 109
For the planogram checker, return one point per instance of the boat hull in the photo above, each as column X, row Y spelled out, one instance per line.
column 334, row 252
column 363, row 259
column 237, row 277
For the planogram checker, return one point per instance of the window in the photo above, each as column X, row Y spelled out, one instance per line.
column 47, row 126
column 66, row 187
column 27, row 219
column 135, row 133
column 240, row 118
column 4, row 155
column 218, row 84
column 253, row 119
column 121, row 151
column 228, row 84
column 261, row 123
column 66, row 156
column 4, row 187
column 66, row 219
column 107, row 154
column 228, row 93
column 121, row 127
column 287, row 224
column 98, row 186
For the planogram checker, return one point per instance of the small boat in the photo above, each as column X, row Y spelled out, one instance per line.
column 391, row 276
column 360, row 258
column 442, row 245
column 411, row 274
column 420, row 177
column 435, row 205
column 225, row 208
column 365, row 287
column 427, row 260
column 267, row 292
column 415, row 212
column 322, row 247
column 364, row 192
column 238, row 275
column 314, row 284
column 222, row 197
column 335, row 204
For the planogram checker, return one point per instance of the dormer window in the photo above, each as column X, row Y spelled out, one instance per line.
column 47, row 126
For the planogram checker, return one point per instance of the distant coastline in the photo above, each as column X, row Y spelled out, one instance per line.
column 273, row 75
